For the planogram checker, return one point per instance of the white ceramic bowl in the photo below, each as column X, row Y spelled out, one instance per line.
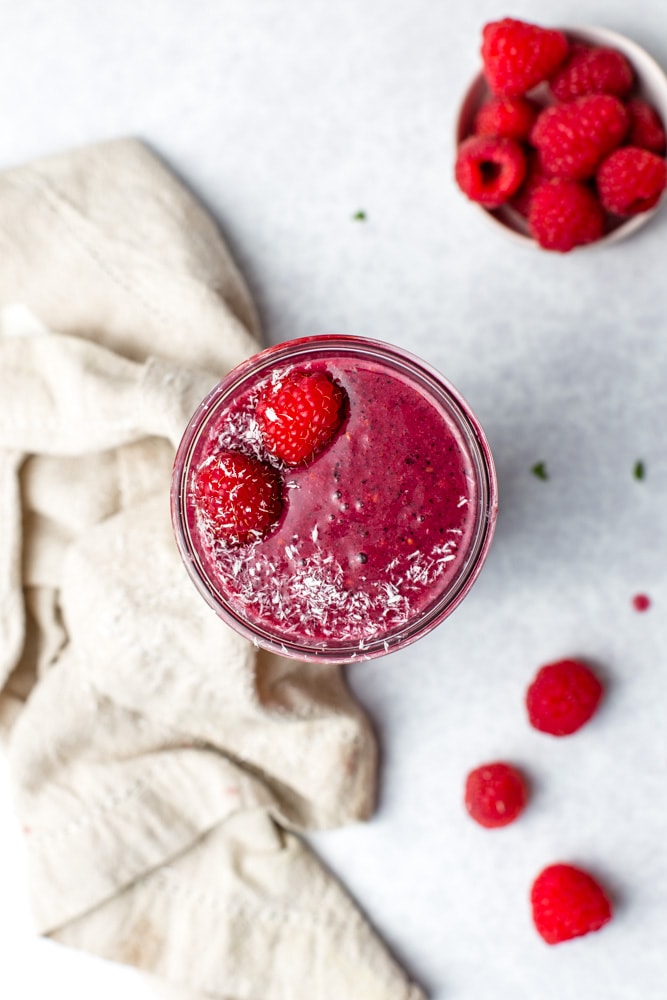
column 650, row 84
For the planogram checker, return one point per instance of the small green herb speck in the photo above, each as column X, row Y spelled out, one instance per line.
column 639, row 470
column 540, row 470
column 359, row 216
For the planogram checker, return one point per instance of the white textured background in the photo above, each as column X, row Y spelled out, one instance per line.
column 286, row 117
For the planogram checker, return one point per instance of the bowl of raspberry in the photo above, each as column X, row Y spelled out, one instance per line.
column 561, row 136
column 333, row 498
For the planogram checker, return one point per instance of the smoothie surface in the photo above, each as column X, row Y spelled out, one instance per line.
column 373, row 531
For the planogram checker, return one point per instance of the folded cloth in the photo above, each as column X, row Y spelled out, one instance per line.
column 163, row 768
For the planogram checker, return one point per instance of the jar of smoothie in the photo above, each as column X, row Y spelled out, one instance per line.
column 369, row 542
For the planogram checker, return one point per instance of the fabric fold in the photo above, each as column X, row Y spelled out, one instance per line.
column 164, row 768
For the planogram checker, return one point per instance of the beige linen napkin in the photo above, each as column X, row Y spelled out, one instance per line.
column 162, row 767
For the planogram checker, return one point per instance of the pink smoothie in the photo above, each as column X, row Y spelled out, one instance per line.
column 374, row 531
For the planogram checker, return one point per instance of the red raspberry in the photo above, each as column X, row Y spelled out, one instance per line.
column 567, row 903
column 592, row 70
column 535, row 176
column 631, row 180
column 510, row 117
column 517, row 56
column 299, row 415
column 646, row 129
column 489, row 170
column 564, row 214
column 562, row 697
column 239, row 497
column 495, row 794
column 572, row 139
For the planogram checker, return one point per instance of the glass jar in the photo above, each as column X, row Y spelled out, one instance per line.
column 382, row 534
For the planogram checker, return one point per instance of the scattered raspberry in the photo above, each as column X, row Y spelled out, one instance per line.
column 592, row 70
column 239, row 497
column 572, row 139
column 300, row 415
column 535, row 176
column 517, row 56
column 564, row 214
column 646, row 128
column 563, row 696
column 567, row 903
column 489, row 170
column 631, row 180
column 495, row 794
column 641, row 602
column 509, row 117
